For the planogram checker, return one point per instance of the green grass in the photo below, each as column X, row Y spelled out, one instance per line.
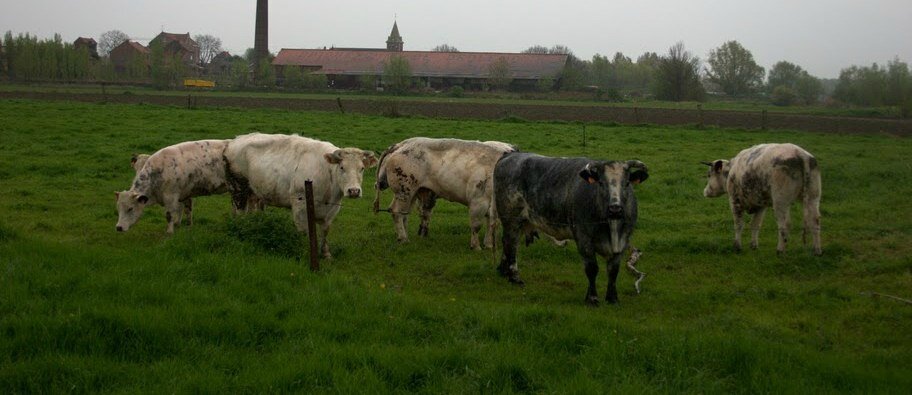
column 229, row 305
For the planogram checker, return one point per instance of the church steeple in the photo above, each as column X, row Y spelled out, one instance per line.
column 394, row 42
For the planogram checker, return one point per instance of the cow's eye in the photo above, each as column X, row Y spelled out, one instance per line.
column 342, row 167
column 130, row 210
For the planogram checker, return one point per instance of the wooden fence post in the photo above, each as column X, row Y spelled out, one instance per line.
column 311, row 226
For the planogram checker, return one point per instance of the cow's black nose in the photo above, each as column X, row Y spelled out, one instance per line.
column 354, row 192
column 119, row 228
column 614, row 209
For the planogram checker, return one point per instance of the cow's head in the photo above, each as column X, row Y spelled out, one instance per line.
column 130, row 207
column 350, row 163
column 614, row 180
column 717, row 176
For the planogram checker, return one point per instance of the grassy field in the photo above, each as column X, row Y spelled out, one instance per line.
column 228, row 305
column 581, row 99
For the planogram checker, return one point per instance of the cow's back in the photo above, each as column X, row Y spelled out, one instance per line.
column 762, row 171
column 192, row 168
column 275, row 165
column 539, row 189
column 454, row 169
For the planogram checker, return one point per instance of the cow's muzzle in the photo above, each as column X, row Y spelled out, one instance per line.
column 120, row 228
column 615, row 210
column 354, row 193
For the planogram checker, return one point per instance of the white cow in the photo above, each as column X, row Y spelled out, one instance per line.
column 769, row 175
column 170, row 177
column 274, row 168
column 422, row 168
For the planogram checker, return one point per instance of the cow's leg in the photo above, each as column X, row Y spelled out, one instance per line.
column 428, row 200
column 477, row 211
column 173, row 208
column 507, row 267
column 812, row 217
column 614, row 265
column 492, row 229
column 738, row 216
column 781, row 209
column 299, row 213
column 756, row 223
column 399, row 208
column 591, row 267
column 324, row 239
column 188, row 210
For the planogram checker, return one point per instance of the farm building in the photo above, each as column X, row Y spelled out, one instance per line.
column 348, row 67
column 89, row 44
column 129, row 56
column 179, row 46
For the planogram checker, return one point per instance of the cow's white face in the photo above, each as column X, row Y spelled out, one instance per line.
column 130, row 207
column 350, row 164
column 717, row 176
column 612, row 179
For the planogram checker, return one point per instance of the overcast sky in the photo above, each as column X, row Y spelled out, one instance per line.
column 821, row 36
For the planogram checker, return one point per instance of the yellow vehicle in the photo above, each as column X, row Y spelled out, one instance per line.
column 199, row 83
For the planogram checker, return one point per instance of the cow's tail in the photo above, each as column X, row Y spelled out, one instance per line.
column 382, row 183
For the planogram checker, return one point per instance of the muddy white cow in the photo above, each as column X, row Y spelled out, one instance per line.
column 137, row 161
column 170, row 177
column 423, row 169
column 589, row 201
column 769, row 175
column 274, row 168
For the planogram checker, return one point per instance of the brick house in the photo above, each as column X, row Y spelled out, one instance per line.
column 179, row 46
column 126, row 56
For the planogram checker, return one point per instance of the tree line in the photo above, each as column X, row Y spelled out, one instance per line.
column 676, row 75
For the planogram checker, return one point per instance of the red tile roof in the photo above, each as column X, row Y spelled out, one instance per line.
column 423, row 63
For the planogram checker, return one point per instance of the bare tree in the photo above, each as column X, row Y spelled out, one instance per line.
column 209, row 46
column 499, row 73
column 445, row 48
column 110, row 39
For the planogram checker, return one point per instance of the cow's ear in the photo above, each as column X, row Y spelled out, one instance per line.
column 590, row 175
column 637, row 171
column 133, row 159
column 717, row 165
column 334, row 157
column 142, row 199
column 370, row 160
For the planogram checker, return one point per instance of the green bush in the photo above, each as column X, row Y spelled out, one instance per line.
column 269, row 231
column 783, row 96
column 456, row 91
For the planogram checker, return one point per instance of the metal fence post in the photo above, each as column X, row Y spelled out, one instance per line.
column 311, row 226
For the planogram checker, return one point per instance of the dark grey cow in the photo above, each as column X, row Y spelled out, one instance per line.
column 589, row 201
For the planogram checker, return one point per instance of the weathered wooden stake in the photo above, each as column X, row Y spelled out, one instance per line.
column 584, row 135
column 311, row 226
column 339, row 103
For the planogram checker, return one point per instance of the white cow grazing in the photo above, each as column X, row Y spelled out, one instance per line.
column 170, row 177
column 137, row 162
column 422, row 168
column 769, row 175
column 274, row 168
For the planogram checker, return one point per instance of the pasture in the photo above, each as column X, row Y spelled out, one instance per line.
column 229, row 306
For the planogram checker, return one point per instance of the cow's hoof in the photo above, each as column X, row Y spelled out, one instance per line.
column 475, row 247
column 818, row 252
column 423, row 231
column 611, row 299
column 753, row 246
column 515, row 280
column 402, row 241
column 592, row 301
